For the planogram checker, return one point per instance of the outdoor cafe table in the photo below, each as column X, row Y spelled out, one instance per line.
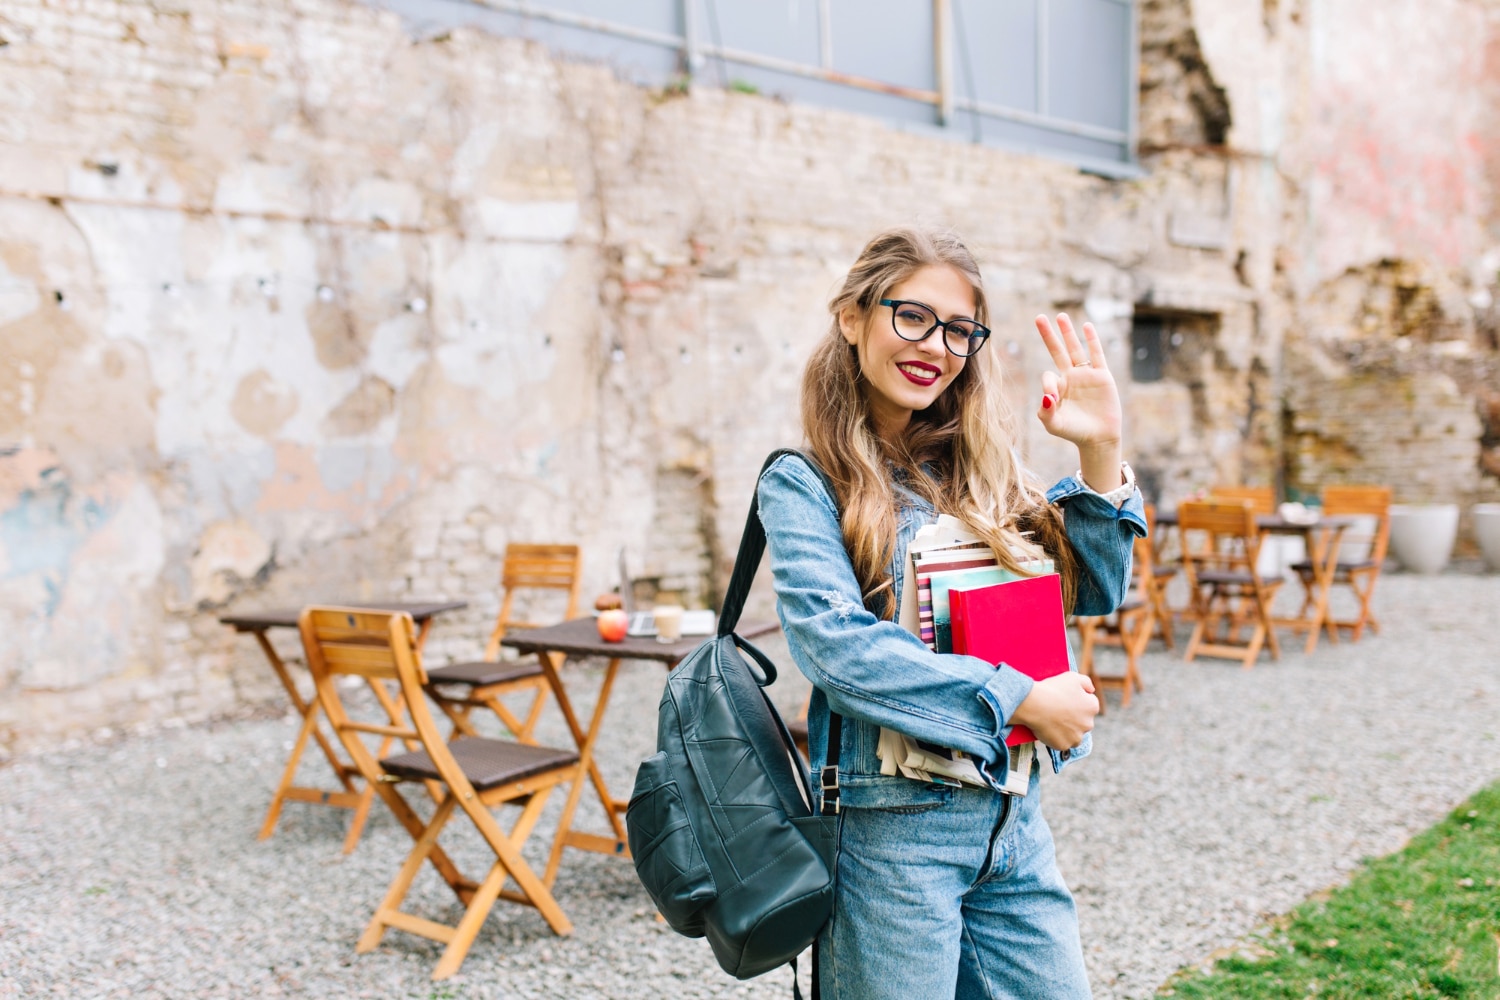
column 258, row 623
column 1321, row 537
column 579, row 637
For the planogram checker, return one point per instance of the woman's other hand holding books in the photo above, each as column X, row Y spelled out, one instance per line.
column 1060, row 710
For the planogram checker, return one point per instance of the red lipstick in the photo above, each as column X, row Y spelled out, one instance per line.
column 911, row 368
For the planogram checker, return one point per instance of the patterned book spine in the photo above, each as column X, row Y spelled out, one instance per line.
column 927, row 627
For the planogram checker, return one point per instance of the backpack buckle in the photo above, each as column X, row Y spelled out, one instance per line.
column 828, row 783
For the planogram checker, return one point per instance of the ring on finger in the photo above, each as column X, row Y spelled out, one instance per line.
column 1083, row 364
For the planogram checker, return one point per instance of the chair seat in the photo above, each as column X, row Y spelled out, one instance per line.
column 485, row 762
column 1343, row 567
column 482, row 673
column 1224, row 578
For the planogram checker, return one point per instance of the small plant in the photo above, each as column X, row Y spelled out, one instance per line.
column 738, row 86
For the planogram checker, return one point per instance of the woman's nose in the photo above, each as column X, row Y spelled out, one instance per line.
column 934, row 343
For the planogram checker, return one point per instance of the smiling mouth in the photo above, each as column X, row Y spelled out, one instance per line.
column 919, row 373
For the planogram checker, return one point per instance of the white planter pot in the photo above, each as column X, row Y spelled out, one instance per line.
column 1422, row 535
column 1487, row 532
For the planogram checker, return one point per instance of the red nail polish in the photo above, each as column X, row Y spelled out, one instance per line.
column 1047, row 401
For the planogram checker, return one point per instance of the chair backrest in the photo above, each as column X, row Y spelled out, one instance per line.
column 378, row 646
column 535, row 567
column 1262, row 498
column 1372, row 506
column 350, row 641
column 1218, row 534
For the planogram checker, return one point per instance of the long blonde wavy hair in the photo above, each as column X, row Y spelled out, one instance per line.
column 958, row 453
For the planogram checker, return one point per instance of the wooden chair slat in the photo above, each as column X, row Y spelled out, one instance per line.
column 376, row 729
column 361, row 660
column 1262, row 498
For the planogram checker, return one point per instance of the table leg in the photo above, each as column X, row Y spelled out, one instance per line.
column 1322, row 556
column 277, row 664
column 309, row 709
column 1322, row 545
column 585, row 742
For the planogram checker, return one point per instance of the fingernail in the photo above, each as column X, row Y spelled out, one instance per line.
column 1047, row 401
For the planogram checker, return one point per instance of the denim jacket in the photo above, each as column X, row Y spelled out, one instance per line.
column 874, row 672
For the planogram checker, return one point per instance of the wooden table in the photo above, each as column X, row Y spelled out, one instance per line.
column 580, row 637
column 1321, row 537
column 258, row 623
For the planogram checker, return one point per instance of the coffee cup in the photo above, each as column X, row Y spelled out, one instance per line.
column 668, row 622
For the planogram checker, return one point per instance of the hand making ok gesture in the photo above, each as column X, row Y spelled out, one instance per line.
column 1080, row 402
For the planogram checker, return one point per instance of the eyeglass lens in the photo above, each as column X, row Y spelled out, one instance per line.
column 914, row 322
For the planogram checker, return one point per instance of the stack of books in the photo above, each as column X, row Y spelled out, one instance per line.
column 958, row 599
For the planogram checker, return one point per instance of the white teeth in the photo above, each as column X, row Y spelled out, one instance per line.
column 918, row 372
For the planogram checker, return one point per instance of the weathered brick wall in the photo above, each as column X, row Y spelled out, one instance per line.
column 296, row 307
column 1394, row 363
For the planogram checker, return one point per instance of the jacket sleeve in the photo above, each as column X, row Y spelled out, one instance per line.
column 1102, row 538
column 868, row 668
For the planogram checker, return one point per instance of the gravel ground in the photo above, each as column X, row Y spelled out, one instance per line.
column 1221, row 796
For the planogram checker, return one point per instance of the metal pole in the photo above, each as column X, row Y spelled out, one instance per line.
column 1041, row 57
column 1133, row 86
column 690, row 57
column 942, row 39
column 825, row 35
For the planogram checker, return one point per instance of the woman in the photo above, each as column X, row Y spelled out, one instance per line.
column 941, row 891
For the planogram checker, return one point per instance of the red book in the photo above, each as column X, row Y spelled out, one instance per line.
column 1019, row 623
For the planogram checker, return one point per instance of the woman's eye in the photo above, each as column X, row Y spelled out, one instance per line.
column 914, row 316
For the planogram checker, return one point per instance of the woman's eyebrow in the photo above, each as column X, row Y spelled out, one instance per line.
column 930, row 309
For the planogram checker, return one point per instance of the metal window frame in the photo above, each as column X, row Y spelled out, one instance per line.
column 695, row 54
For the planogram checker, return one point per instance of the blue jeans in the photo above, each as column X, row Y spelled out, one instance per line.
column 960, row 898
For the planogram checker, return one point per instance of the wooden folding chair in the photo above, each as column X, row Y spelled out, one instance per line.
column 471, row 775
column 1220, row 551
column 1129, row 627
column 1365, row 548
column 1152, row 579
column 459, row 688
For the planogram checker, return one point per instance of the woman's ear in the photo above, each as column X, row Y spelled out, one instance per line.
column 850, row 321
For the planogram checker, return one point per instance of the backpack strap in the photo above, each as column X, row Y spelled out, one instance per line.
column 746, row 562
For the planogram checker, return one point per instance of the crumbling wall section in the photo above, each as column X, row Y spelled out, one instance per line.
column 1394, row 359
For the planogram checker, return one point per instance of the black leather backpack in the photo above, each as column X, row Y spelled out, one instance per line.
column 726, row 833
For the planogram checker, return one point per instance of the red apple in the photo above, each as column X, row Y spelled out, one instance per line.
column 612, row 624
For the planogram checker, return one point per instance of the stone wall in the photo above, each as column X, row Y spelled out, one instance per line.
column 1393, row 359
column 296, row 305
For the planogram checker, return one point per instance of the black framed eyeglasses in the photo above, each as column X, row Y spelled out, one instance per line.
column 916, row 322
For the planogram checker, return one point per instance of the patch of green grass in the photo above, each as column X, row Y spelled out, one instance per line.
column 1423, row 922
